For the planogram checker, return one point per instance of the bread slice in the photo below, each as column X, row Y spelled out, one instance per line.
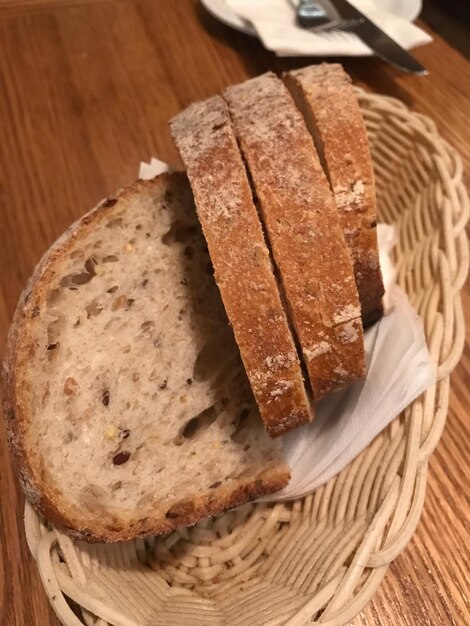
column 301, row 220
column 128, row 410
column 325, row 96
column 243, row 271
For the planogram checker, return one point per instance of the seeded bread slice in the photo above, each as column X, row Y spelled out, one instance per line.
column 128, row 410
column 301, row 220
column 204, row 136
column 325, row 96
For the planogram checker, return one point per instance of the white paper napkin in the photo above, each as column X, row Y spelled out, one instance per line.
column 274, row 22
column 399, row 369
column 147, row 171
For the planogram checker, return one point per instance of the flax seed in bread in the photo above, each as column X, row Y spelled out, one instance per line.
column 302, row 224
column 325, row 96
column 204, row 136
column 128, row 410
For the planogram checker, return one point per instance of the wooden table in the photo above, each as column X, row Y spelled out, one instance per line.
column 86, row 89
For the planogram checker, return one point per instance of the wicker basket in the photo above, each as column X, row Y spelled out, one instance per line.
column 319, row 559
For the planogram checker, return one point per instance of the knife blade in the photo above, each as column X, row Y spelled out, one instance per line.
column 379, row 42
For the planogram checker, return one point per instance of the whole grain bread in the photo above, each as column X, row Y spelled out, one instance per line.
column 302, row 224
column 127, row 407
column 205, row 139
column 325, row 95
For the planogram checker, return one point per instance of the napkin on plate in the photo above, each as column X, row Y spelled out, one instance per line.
column 274, row 22
column 399, row 369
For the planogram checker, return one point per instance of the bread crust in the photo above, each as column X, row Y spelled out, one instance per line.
column 325, row 95
column 44, row 497
column 302, row 223
column 205, row 139
column 185, row 513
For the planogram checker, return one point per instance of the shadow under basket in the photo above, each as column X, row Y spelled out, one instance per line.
column 319, row 559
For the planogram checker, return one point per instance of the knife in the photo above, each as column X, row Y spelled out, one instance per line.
column 381, row 44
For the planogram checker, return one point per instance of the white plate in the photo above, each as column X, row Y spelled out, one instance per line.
column 408, row 9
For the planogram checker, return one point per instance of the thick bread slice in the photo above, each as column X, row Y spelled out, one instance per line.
column 128, row 410
column 325, row 96
column 243, row 270
column 302, row 223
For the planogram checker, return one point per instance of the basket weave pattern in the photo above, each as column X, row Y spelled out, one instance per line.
column 321, row 558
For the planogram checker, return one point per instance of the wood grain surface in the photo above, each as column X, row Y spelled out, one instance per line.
column 86, row 89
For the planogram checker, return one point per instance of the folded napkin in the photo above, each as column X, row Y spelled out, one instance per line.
column 274, row 22
column 399, row 369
